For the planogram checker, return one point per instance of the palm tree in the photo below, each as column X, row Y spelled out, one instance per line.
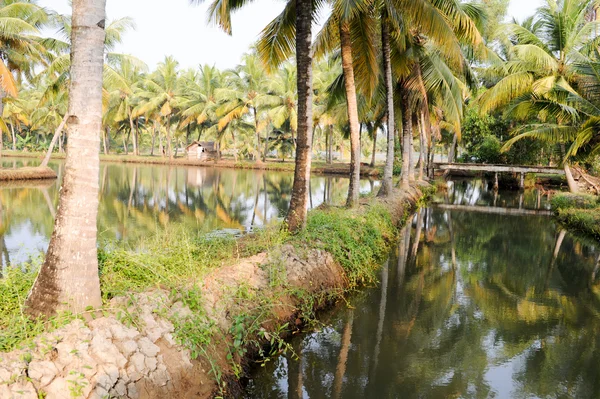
column 388, row 171
column 158, row 93
column 541, row 73
column 281, row 101
column 15, row 114
column 197, row 98
column 68, row 278
column 244, row 96
column 121, row 81
column 21, row 48
column 351, row 29
column 291, row 30
column 327, row 71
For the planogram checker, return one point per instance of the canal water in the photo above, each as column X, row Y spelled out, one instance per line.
column 482, row 297
column 140, row 200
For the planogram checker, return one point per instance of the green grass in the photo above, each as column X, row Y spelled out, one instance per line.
column 579, row 213
column 357, row 240
column 16, row 328
column 580, row 201
column 173, row 258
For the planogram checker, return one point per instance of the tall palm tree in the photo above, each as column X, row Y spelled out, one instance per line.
column 197, row 98
column 158, row 93
column 351, row 29
column 541, row 72
column 243, row 96
column 21, row 48
column 121, row 82
column 68, row 278
column 281, row 100
column 291, row 30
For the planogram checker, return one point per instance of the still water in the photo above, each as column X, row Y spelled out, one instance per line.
column 139, row 200
column 473, row 302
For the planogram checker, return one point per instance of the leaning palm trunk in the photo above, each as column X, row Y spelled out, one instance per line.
column 68, row 278
column 14, row 137
column 346, row 47
column 57, row 133
column 105, row 134
column 388, row 172
column 296, row 217
column 573, row 187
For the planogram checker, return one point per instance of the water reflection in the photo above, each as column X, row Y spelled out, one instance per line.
column 138, row 200
column 470, row 304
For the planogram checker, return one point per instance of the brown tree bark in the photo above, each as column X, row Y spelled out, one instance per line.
column 68, row 278
column 347, row 67
column 388, row 172
column 406, row 136
column 296, row 217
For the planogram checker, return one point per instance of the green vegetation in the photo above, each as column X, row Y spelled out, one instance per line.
column 174, row 257
column 581, row 213
column 16, row 327
column 548, row 79
column 176, row 261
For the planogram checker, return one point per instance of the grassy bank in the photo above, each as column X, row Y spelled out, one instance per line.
column 271, row 164
column 294, row 277
column 579, row 213
column 35, row 173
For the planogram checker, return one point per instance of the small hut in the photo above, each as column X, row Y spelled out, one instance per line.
column 202, row 150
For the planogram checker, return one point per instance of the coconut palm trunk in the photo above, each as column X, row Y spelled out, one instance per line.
column 406, row 135
column 2, row 95
column 374, row 154
column 57, row 133
column 68, row 278
column 132, row 131
column 347, row 67
column 388, row 172
column 424, row 147
column 14, row 137
column 169, row 148
column 257, row 132
column 105, row 133
column 573, row 187
column 296, row 217
column 452, row 150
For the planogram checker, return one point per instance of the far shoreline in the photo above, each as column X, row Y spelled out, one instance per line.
column 272, row 165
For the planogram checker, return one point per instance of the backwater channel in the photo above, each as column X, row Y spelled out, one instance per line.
column 138, row 200
column 482, row 297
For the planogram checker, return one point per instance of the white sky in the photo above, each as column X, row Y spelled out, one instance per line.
column 174, row 27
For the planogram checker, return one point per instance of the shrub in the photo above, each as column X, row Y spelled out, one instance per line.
column 577, row 201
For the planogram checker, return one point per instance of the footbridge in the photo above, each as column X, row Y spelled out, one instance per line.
column 474, row 167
